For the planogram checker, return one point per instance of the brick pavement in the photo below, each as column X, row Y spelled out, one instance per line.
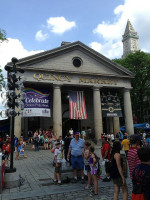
column 37, row 170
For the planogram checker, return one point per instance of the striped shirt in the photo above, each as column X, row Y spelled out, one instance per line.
column 133, row 159
column 76, row 147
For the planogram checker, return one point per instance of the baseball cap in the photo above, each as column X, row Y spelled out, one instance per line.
column 76, row 133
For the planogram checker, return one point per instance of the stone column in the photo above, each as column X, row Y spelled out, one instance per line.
column 111, row 124
column 116, row 125
column 98, row 125
column 57, row 110
column 128, row 112
column 17, row 126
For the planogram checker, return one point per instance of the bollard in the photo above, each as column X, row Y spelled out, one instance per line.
column 0, row 173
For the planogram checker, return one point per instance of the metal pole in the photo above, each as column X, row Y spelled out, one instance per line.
column 0, row 173
column 12, row 123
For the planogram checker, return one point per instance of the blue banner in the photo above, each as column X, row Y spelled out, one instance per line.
column 37, row 103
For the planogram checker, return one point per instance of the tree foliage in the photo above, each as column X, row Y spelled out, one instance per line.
column 139, row 64
column 2, row 35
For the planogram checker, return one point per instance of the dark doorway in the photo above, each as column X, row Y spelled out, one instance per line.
column 70, row 123
column 33, row 123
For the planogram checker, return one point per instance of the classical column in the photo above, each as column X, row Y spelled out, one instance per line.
column 116, row 125
column 17, row 126
column 128, row 112
column 98, row 125
column 57, row 110
column 111, row 124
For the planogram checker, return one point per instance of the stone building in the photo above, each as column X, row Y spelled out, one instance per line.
column 75, row 66
column 130, row 40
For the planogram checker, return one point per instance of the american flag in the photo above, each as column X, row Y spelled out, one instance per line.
column 77, row 106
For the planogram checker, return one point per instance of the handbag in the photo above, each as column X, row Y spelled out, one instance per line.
column 52, row 150
column 137, row 192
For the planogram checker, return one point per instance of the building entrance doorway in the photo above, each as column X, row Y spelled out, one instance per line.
column 70, row 123
column 33, row 123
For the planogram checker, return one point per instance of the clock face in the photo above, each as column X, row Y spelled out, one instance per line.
column 133, row 43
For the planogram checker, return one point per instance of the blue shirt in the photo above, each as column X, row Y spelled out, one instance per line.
column 76, row 147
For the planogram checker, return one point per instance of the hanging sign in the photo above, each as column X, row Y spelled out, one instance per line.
column 37, row 103
column 110, row 104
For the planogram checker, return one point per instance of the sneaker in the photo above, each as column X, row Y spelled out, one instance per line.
column 106, row 179
column 82, row 181
column 55, row 182
column 93, row 194
column 88, row 187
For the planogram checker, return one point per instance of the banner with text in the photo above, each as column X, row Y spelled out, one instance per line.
column 37, row 103
column 110, row 103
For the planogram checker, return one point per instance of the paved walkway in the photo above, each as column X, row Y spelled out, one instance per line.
column 37, row 170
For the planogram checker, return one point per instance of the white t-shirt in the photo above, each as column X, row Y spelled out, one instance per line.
column 71, row 132
column 58, row 154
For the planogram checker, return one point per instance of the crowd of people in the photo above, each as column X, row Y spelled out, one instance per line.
column 82, row 157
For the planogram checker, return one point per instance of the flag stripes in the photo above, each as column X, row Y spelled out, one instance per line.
column 77, row 108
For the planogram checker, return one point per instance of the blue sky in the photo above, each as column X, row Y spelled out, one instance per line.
column 23, row 19
column 36, row 25
column 33, row 26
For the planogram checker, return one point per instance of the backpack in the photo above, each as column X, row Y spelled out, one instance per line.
column 99, row 170
column 37, row 139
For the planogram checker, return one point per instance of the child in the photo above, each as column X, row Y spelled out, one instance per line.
column 86, row 155
column 20, row 149
column 93, row 161
column 45, row 142
column 6, row 152
column 57, row 159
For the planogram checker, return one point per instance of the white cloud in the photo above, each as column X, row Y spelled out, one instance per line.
column 96, row 46
column 13, row 48
column 137, row 11
column 39, row 36
column 59, row 25
column 9, row 49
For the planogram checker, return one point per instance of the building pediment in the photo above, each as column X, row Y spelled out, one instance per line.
column 61, row 59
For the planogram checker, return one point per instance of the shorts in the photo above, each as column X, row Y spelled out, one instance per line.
column 77, row 162
column 94, row 170
column 87, row 168
column 58, row 169
column 118, row 181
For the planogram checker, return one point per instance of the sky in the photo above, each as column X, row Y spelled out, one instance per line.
column 33, row 26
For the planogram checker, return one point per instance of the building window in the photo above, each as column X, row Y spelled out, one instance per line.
column 77, row 62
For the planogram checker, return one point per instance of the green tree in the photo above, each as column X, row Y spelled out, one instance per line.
column 2, row 35
column 139, row 64
column 2, row 38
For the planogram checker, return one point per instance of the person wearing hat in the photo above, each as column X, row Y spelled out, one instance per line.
column 75, row 151
column 132, row 157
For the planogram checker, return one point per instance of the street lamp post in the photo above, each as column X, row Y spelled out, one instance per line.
column 11, row 103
